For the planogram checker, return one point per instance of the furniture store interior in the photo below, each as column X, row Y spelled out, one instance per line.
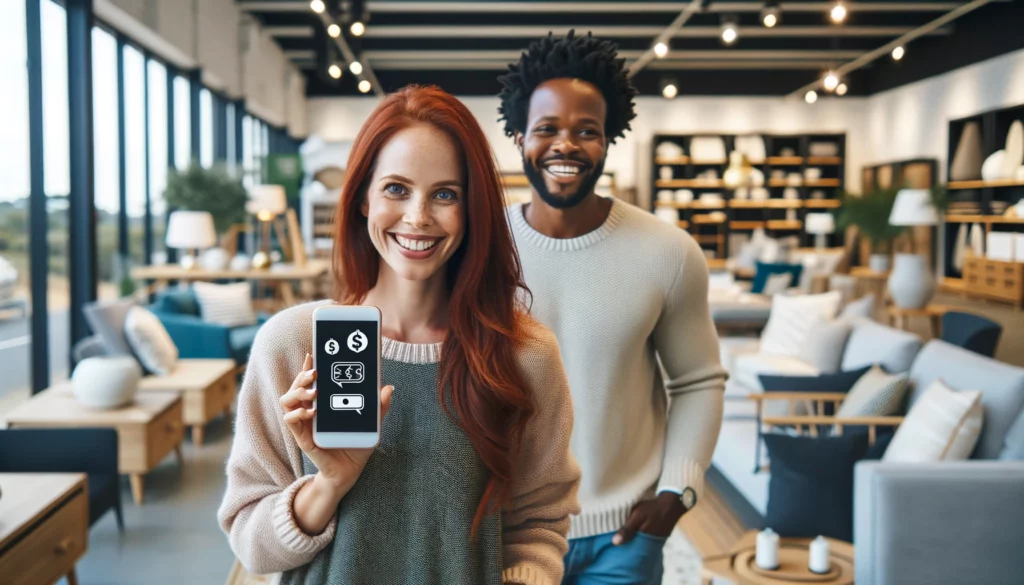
column 174, row 200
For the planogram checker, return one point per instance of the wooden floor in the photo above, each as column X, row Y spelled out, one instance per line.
column 712, row 528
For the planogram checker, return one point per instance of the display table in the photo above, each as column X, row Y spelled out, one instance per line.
column 280, row 276
column 147, row 430
column 738, row 564
column 44, row 523
column 207, row 388
column 900, row 318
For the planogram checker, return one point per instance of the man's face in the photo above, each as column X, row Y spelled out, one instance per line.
column 564, row 146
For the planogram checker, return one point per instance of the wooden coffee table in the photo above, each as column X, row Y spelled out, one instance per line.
column 44, row 523
column 147, row 430
column 207, row 388
column 738, row 564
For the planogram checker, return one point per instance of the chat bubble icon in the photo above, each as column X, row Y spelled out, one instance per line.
column 347, row 372
column 347, row 402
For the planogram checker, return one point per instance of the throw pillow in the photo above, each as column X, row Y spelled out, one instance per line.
column 810, row 491
column 943, row 425
column 792, row 319
column 150, row 342
column 777, row 284
column 876, row 393
column 229, row 305
column 107, row 319
column 766, row 269
column 862, row 308
column 824, row 346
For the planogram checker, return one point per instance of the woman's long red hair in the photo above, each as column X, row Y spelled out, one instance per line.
column 478, row 376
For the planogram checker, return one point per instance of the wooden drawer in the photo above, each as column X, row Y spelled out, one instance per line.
column 994, row 279
column 50, row 550
column 163, row 434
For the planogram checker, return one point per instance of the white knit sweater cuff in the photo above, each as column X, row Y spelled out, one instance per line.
column 685, row 474
column 524, row 575
column 291, row 537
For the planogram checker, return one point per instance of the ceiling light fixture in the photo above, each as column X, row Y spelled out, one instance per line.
column 364, row 86
column 831, row 81
column 898, row 53
column 838, row 12
column 669, row 91
column 841, row 89
column 334, row 71
column 730, row 30
column 334, row 30
column 770, row 14
column 660, row 50
column 357, row 28
column 318, row 6
column 355, row 67
column 811, row 97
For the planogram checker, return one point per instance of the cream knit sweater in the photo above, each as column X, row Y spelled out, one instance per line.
column 265, row 469
column 619, row 299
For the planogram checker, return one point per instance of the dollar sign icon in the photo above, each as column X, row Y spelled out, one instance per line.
column 348, row 372
column 332, row 346
column 357, row 341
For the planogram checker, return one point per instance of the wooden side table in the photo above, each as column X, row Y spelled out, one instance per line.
column 147, row 430
column 738, row 565
column 900, row 318
column 207, row 388
column 44, row 524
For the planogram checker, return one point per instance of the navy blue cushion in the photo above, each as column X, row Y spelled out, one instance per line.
column 766, row 269
column 178, row 301
column 240, row 339
column 811, row 487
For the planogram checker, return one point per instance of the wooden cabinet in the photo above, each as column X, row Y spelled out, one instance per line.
column 994, row 279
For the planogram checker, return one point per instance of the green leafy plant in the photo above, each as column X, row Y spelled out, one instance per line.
column 212, row 190
column 869, row 213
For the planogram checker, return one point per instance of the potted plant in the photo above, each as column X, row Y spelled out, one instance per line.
column 213, row 190
column 869, row 213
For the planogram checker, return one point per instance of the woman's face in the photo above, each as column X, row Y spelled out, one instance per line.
column 415, row 202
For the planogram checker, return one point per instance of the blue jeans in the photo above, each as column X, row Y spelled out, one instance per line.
column 596, row 561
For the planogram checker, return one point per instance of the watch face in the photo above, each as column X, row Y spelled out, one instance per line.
column 689, row 498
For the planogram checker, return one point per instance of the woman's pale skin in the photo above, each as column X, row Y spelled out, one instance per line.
column 416, row 219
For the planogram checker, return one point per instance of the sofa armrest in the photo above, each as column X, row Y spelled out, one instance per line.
column 950, row 522
column 196, row 338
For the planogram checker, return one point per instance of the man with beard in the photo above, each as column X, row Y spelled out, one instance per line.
column 624, row 293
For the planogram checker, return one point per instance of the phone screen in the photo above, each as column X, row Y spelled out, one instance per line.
column 346, row 376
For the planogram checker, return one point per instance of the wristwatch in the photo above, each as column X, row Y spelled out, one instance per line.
column 688, row 498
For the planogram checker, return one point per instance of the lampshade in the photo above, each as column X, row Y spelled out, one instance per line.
column 191, row 230
column 820, row 223
column 266, row 201
column 914, row 207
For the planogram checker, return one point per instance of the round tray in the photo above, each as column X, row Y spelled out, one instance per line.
column 792, row 567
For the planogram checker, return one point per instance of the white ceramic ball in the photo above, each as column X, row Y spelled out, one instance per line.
column 106, row 381
column 215, row 259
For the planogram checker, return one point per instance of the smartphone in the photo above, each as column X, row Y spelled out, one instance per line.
column 347, row 358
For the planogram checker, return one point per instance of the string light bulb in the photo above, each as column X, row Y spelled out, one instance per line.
column 730, row 30
column 898, row 53
column 660, row 50
column 334, row 71
column 841, row 89
column 838, row 12
column 355, row 67
column 357, row 28
column 831, row 81
column 770, row 14
column 318, row 6
column 364, row 86
column 669, row 91
column 811, row 97
column 334, row 30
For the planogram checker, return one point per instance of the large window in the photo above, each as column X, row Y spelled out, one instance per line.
column 182, row 123
column 106, row 158
column 134, row 90
column 158, row 156
column 206, row 128
column 255, row 147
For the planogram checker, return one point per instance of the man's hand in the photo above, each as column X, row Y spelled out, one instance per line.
column 656, row 517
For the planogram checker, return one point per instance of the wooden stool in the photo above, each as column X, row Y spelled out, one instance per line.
column 900, row 318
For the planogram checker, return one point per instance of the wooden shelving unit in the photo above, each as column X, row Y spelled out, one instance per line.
column 961, row 185
column 779, row 216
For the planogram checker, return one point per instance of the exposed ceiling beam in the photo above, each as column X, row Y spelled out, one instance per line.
column 350, row 56
column 517, row 31
column 888, row 47
column 257, row 6
column 299, row 54
column 289, row 31
column 597, row 7
column 664, row 37
column 660, row 65
column 510, row 56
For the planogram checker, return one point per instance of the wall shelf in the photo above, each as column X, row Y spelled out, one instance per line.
column 824, row 160
column 784, row 224
column 823, row 204
column 766, row 204
column 959, row 185
column 672, row 160
column 984, row 219
column 690, row 183
column 784, row 161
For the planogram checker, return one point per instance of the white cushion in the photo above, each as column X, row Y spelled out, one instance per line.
column 875, row 394
column 793, row 317
column 730, row 348
column 777, row 283
column 150, row 341
column 943, row 425
column 825, row 345
column 749, row 366
column 225, row 304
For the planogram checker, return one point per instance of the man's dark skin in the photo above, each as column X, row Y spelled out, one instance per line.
column 566, row 126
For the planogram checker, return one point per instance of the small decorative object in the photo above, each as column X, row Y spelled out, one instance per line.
column 790, row 215
column 977, row 239
column 778, row 174
column 215, row 259
column 738, row 173
column 106, row 381
column 752, row 146
column 665, row 173
column 812, row 173
column 960, row 246
column 684, row 196
column 968, row 157
column 240, row 263
column 711, row 198
column 190, row 231
column 261, row 260
column 994, row 167
column 668, row 150
column 667, row 214
column 716, row 216
column 790, row 193
column 664, row 196
column 707, row 149
column 787, row 152
column 1000, row 246
column 756, row 177
column 767, row 550
column 821, row 225
column 1014, row 148
column 741, row 194
column 817, row 194
column 823, row 149
column 794, row 179
column 879, row 262
column 818, row 561
column 759, row 194
column 911, row 283
column 266, row 203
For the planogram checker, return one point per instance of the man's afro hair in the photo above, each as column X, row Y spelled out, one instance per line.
column 571, row 56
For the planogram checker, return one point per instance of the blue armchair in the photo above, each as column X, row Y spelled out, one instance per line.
column 178, row 310
column 89, row 451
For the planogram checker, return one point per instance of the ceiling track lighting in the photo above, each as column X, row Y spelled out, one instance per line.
column 898, row 53
column 660, row 50
column 838, row 12
column 730, row 29
column 770, row 14
column 364, row 86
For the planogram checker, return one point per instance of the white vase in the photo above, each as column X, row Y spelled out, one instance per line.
column 879, row 263
column 106, row 381
column 911, row 283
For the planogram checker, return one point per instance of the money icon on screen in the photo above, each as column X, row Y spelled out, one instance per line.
column 347, row 372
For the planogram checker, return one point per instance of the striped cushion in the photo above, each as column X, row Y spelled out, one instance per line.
column 943, row 425
column 225, row 304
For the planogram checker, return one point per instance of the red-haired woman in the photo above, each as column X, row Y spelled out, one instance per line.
column 472, row 481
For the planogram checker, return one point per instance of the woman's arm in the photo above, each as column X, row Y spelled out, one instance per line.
column 546, row 475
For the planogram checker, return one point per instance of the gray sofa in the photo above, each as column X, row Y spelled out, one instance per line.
column 955, row 522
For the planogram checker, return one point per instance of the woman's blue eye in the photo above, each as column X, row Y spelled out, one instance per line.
column 395, row 189
column 446, row 195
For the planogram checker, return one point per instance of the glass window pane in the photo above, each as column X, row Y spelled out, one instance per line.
column 135, row 152
column 182, row 123
column 247, row 151
column 206, row 128
column 157, row 155
column 229, row 123
column 106, row 156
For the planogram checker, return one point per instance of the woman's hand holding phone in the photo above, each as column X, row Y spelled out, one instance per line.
column 338, row 468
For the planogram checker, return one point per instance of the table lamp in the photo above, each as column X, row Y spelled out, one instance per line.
column 190, row 231
column 911, row 283
column 821, row 225
column 265, row 202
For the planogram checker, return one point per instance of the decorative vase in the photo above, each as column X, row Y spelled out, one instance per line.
column 106, row 381
column 215, row 259
column 879, row 263
column 911, row 283
column 968, row 158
